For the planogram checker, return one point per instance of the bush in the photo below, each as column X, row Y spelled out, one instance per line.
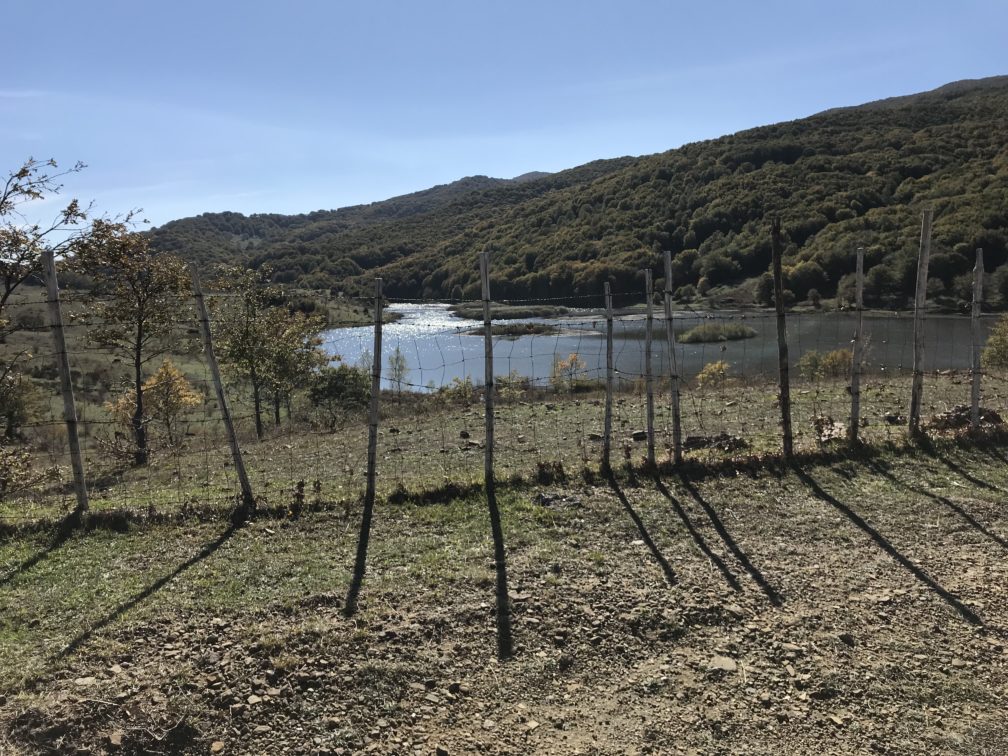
column 564, row 375
column 18, row 471
column 512, row 386
column 995, row 354
column 20, row 401
column 707, row 333
column 337, row 392
column 714, row 374
column 814, row 365
column 460, row 390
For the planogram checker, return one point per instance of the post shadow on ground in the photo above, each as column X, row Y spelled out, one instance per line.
column 698, row 538
column 60, row 535
column 736, row 550
column 933, row 450
column 947, row 596
column 207, row 550
column 670, row 575
column 881, row 469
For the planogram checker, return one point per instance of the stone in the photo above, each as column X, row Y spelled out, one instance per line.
column 217, row 746
column 722, row 664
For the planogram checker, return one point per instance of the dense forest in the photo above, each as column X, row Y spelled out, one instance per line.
column 841, row 179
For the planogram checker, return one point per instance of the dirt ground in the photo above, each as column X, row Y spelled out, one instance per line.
column 858, row 606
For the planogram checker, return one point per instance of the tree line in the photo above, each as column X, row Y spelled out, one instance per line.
column 856, row 177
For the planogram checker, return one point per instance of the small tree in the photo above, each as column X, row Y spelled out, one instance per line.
column 398, row 368
column 271, row 347
column 168, row 394
column 146, row 292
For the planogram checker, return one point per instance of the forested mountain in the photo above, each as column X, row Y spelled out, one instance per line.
column 848, row 177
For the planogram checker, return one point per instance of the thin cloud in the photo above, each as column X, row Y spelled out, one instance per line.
column 22, row 94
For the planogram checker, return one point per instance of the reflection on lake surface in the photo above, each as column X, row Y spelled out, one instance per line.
column 438, row 346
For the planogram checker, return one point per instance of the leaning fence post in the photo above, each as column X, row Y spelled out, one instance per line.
column 607, row 433
column 673, row 364
column 648, row 375
column 782, row 347
column 248, row 500
column 504, row 645
column 857, row 351
column 66, row 385
column 978, row 274
column 360, row 563
column 920, row 300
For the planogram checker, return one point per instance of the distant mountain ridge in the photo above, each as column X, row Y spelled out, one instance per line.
column 843, row 178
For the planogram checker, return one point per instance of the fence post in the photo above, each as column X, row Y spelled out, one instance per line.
column 248, row 500
column 607, row 434
column 920, row 300
column 782, row 347
column 857, row 351
column 360, row 563
column 673, row 364
column 978, row 274
column 648, row 375
column 66, row 385
column 504, row 645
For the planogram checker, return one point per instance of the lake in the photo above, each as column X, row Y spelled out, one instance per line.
column 438, row 346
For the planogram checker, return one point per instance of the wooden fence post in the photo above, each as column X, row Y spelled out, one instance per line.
column 504, row 644
column 920, row 300
column 677, row 449
column 66, row 385
column 857, row 351
column 607, row 433
column 782, row 347
column 648, row 374
column 360, row 563
column 978, row 274
column 248, row 500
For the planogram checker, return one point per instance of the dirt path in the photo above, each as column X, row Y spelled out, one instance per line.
column 858, row 608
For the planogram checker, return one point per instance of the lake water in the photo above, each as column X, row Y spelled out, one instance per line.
column 438, row 347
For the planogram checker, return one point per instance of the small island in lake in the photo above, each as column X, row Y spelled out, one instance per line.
column 706, row 333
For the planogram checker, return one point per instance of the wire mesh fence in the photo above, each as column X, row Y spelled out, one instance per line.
column 549, row 375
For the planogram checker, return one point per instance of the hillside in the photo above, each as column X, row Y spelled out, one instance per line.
column 847, row 177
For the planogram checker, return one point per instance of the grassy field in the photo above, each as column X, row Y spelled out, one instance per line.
column 430, row 443
column 854, row 605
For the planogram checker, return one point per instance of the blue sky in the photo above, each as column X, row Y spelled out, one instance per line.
column 186, row 107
